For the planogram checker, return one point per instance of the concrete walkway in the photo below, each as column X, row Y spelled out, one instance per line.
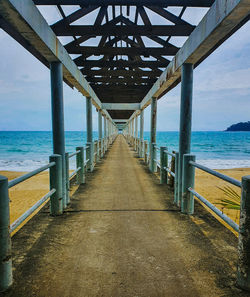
column 123, row 237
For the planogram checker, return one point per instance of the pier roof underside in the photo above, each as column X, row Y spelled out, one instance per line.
column 125, row 49
column 122, row 47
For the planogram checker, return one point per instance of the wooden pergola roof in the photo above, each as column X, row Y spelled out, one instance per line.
column 130, row 51
column 122, row 51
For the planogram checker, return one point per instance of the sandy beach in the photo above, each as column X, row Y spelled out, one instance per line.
column 24, row 195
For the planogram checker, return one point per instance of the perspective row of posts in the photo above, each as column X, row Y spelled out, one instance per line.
column 59, row 172
column 184, row 171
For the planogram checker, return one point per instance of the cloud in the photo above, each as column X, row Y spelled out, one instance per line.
column 237, row 79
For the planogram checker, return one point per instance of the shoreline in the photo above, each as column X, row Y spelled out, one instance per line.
column 26, row 194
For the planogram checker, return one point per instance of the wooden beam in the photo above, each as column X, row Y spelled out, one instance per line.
column 121, row 63
column 121, row 106
column 220, row 22
column 125, row 89
column 118, row 30
column 129, row 51
column 163, row 3
column 168, row 15
column 74, row 16
column 119, row 72
column 120, row 120
column 118, row 80
column 26, row 20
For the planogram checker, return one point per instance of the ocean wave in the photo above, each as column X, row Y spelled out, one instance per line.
column 224, row 164
column 13, row 150
column 25, row 165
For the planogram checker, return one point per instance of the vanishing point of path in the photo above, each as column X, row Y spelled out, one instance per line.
column 121, row 237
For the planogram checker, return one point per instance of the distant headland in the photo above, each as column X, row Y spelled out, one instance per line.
column 239, row 127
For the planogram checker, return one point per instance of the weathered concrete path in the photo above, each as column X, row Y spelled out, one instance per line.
column 123, row 237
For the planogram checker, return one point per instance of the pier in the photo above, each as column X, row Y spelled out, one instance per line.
column 124, row 237
column 135, row 225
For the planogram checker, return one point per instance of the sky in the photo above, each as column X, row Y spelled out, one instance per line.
column 221, row 94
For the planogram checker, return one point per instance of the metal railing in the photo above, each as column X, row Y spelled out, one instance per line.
column 58, row 195
column 184, row 194
column 31, row 210
column 189, row 165
column 148, row 153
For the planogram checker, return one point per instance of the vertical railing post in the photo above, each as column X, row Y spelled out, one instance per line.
column 243, row 270
column 145, row 149
column 187, row 201
column 153, row 133
column 105, row 134
column 185, row 118
column 80, row 177
column 153, row 154
column 136, row 133
column 89, row 155
column 67, row 177
column 132, row 132
column 56, row 75
column 176, row 195
column 164, row 164
column 55, row 177
column 89, row 132
column 5, row 239
column 96, row 151
column 141, row 133
column 100, row 132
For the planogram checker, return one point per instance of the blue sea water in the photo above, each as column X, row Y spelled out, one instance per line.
column 24, row 151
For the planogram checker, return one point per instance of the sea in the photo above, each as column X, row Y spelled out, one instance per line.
column 28, row 150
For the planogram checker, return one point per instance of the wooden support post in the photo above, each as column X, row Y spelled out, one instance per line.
column 80, row 177
column 67, row 177
column 89, row 133
column 243, row 271
column 56, row 75
column 185, row 118
column 188, row 176
column 176, row 179
column 141, row 133
column 6, row 278
column 153, row 134
column 55, row 177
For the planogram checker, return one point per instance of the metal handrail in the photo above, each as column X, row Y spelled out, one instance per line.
column 225, row 218
column 224, row 177
column 74, row 154
column 24, row 216
column 74, row 172
column 169, row 171
column 28, row 175
column 170, row 154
